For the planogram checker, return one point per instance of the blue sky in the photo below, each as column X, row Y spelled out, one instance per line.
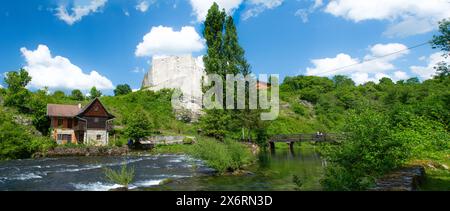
column 79, row 43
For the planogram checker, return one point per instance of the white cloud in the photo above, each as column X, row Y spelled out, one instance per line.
column 317, row 4
column 304, row 13
column 407, row 17
column 400, row 75
column 79, row 10
column 427, row 72
column 201, row 7
column 143, row 6
column 164, row 41
column 385, row 49
column 325, row 66
column 59, row 72
column 259, row 6
column 1, row 87
column 371, row 68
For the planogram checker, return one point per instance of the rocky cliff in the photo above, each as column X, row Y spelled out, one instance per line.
column 182, row 73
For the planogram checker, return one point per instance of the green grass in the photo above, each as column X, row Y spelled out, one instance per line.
column 123, row 177
column 436, row 180
column 156, row 104
column 227, row 156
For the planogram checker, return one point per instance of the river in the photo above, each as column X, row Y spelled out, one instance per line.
column 272, row 172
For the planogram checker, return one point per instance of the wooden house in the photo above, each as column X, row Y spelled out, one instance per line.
column 80, row 125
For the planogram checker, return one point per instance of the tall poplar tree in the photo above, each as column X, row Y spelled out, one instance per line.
column 213, row 34
column 226, row 56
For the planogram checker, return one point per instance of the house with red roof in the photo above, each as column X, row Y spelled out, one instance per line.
column 75, row 124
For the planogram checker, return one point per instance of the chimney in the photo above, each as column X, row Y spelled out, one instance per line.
column 79, row 105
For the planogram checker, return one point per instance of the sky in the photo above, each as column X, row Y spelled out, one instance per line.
column 77, row 44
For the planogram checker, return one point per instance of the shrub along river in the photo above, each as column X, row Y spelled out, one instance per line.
column 271, row 172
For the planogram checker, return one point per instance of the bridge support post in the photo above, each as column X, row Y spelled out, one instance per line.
column 272, row 146
column 291, row 147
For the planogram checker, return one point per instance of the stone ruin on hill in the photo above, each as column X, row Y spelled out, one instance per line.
column 181, row 73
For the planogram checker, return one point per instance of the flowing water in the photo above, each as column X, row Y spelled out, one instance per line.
column 272, row 172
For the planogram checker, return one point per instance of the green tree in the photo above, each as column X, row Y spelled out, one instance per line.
column 16, row 94
column 226, row 56
column 38, row 108
column 138, row 125
column 77, row 95
column 59, row 94
column 234, row 55
column 94, row 93
column 343, row 81
column 414, row 80
column 442, row 42
column 122, row 89
column 215, row 123
column 369, row 151
column 213, row 33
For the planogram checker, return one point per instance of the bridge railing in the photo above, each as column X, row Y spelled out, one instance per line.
column 325, row 137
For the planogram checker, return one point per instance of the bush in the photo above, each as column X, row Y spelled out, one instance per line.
column 123, row 177
column 299, row 109
column 369, row 151
column 226, row 156
column 16, row 142
column 41, row 144
column 188, row 140
column 138, row 125
column 119, row 142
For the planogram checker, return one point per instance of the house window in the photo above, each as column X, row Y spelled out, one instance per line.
column 64, row 137
column 60, row 122
column 68, row 138
column 99, row 137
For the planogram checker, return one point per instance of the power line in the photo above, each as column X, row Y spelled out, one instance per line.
column 375, row 58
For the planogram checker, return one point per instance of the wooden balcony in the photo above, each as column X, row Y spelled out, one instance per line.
column 81, row 126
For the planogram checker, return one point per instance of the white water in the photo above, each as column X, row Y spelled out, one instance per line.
column 87, row 173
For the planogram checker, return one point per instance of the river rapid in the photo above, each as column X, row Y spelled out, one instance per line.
column 273, row 171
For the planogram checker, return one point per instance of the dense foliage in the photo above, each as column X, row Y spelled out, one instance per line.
column 16, row 94
column 77, row 95
column 225, row 56
column 138, row 125
column 390, row 124
column 95, row 93
column 226, row 156
column 18, row 141
column 122, row 89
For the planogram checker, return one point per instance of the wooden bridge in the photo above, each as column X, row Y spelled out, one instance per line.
column 291, row 139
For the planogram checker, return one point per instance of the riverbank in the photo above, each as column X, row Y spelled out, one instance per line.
column 83, row 151
column 437, row 176
column 419, row 176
